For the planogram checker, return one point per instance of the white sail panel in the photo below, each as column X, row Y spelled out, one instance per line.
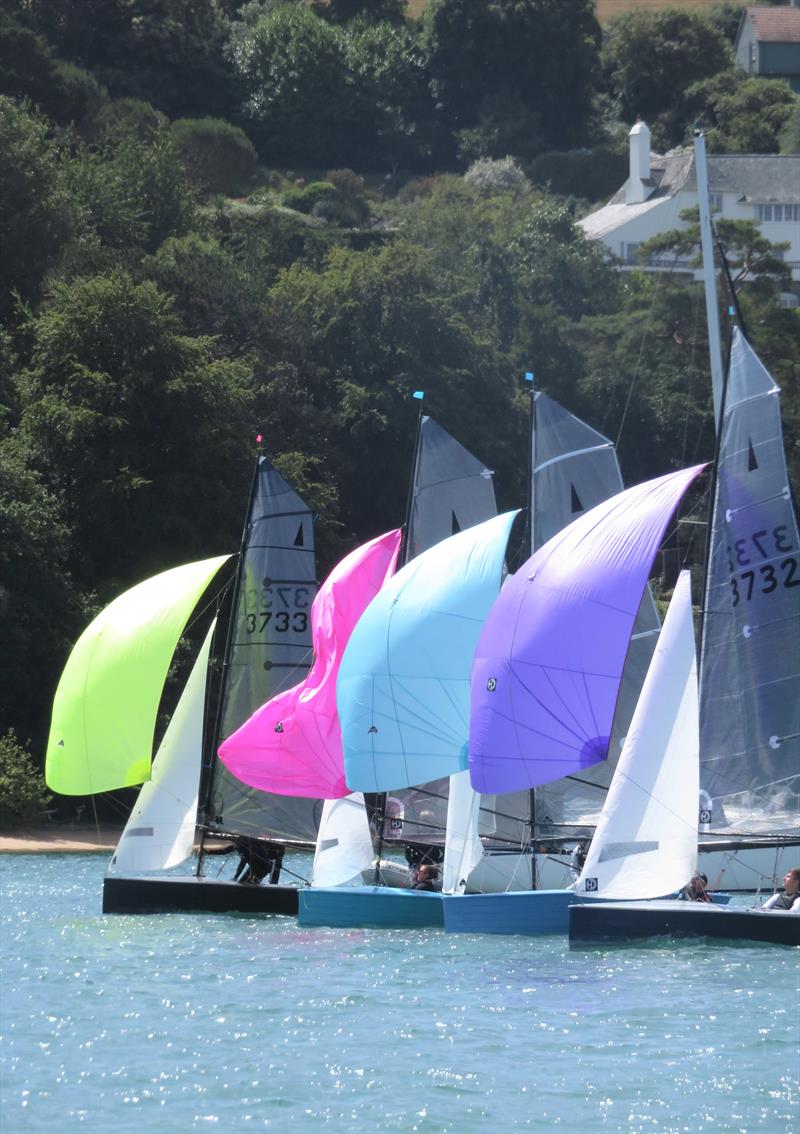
column 344, row 843
column 462, row 847
column 645, row 845
column 161, row 826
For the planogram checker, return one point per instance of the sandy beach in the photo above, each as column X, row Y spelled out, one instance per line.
column 57, row 838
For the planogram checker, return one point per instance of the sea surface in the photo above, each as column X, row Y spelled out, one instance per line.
column 197, row 1022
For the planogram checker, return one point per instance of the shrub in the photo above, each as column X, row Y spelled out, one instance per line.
column 592, row 175
column 305, row 199
column 218, row 157
column 23, row 795
column 489, row 176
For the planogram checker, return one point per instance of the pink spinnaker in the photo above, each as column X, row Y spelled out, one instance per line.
column 292, row 745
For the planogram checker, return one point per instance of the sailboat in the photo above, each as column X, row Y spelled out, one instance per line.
column 645, row 845
column 749, row 661
column 547, row 672
column 403, row 700
column 573, row 467
column 106, row 705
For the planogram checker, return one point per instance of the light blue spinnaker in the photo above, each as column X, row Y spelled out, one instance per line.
column 403, row 688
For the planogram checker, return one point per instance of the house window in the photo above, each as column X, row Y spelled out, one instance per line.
column 629, row 252
column 778, row 212
column 715, row 202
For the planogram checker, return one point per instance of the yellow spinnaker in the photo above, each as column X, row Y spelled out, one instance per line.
column 104, row 712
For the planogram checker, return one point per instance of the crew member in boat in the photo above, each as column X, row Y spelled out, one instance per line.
column 427, row 877
column 789, row 898
column 258, row 859
column 695, row 889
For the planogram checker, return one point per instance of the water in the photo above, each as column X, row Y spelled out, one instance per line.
column 185, row 1023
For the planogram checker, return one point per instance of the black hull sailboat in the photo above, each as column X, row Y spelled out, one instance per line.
column 146, row 894
column 618, row 922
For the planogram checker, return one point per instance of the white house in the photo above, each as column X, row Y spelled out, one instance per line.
column 756, row 187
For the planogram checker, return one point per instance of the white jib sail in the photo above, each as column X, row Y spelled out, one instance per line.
column 344, row 844
column 161, row 827
column 462, row 848
column 645, row 845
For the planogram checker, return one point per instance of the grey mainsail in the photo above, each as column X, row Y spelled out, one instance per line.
column 750, row 653
column 574, row 467
column 269, row 649
column 452, row 490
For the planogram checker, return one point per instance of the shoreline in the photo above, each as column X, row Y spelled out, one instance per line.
column 56, row 838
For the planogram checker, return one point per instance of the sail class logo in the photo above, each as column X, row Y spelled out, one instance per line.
column 491, row 684
column 591, row 885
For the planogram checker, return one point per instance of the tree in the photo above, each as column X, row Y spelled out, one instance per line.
column 23, row 795
column 132, row 191
column 135, row 427
column 742, row 114
column 649, row 56
column 300, row 98
column 513, row 76
column 375, row 11
column 359, row 337
column 35, row 213
column 29, row 69
column 170, row 52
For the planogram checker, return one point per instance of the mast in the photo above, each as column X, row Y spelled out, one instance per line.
column 709, row 281
column 402, row 559
column 211, row 746
column 529, row 549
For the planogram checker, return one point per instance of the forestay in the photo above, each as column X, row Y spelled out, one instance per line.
column 403, row 687
column 548, row 664
column 750, row 657
column 106, row 703
column 645, row 845
column 292, row 745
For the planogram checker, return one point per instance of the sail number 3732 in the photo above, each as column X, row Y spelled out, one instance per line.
column 750, row 575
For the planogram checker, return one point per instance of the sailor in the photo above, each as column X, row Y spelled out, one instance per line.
column 789, row 900
column 695, row 889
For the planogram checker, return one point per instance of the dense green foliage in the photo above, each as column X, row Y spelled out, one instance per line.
column 23, row 797
column 222, row 219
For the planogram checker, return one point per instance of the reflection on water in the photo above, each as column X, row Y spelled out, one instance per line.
column 191, row 1022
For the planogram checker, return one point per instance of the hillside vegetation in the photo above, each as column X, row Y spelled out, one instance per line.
column 220, row 220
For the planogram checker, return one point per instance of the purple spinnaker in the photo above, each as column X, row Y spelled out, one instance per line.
column 547, row 668
column 292, row 745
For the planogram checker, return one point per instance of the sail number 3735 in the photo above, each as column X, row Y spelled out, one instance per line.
column 750, row 575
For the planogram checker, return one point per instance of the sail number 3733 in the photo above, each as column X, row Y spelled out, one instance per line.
column 750, row 575
column 282, row 609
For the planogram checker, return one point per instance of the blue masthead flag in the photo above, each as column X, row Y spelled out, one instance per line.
column 418, row 394
column 528, row 375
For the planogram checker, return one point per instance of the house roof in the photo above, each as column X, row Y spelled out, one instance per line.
column 767, row 178
column 774, row 25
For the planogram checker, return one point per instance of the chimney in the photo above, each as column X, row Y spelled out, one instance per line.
column 636, row 189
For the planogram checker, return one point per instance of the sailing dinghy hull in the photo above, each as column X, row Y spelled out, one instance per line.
column 373, row 907
column 528, row 912
column 126, row 894
column 615, row 922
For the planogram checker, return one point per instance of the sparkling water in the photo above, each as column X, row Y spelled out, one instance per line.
column 198, row 1022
